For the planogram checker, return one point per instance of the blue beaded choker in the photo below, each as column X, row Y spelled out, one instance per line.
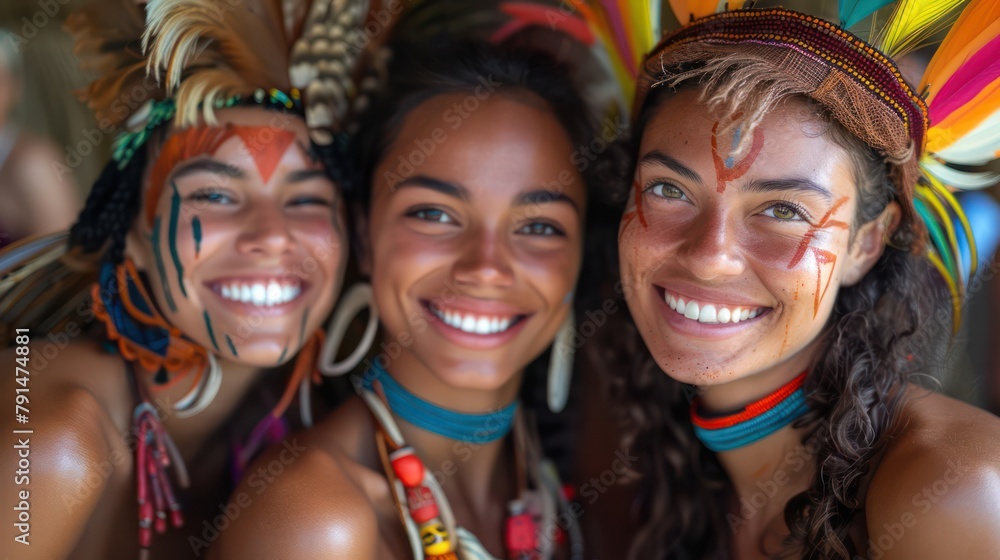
column 755, row 422
column 459, row 426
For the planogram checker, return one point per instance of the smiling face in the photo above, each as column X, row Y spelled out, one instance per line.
column 241, row 236
column 731, row 262
column 475, row 251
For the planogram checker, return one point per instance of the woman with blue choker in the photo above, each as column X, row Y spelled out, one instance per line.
column 472, row 235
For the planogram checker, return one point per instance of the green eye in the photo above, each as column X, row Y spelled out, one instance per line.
column 667, row 191
column 783, row 212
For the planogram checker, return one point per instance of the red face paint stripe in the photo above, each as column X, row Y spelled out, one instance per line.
column 722, row 173
column 627, row 220
column 637, row 188
column 822, row 257
column 186, row 144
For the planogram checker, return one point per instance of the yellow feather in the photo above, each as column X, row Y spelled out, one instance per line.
column 912, row 23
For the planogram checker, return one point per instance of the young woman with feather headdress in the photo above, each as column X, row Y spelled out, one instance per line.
column 482, row 237
column 789, row 257
column 208, row 254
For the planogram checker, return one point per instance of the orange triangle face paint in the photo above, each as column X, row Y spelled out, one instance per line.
column 266, row 146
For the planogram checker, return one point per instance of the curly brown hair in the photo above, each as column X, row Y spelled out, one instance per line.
column 874, row 340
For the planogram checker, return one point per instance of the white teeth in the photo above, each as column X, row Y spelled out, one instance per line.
column 472, row 323
column 691, row 310
column 260, row 293
column 707, row 314
column 710, row 313
column 723, row 315
column 273, row 293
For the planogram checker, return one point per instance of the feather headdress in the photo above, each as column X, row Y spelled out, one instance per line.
column 953, row 118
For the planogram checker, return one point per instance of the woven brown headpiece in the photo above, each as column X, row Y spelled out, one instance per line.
column 861, row 87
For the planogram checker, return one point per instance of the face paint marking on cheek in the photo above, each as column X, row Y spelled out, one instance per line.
column 638, row 202
column 626, row 222
column 284, row 351
column 232, row 347
column 825, row 222
column 211, row 333
column 175, row 214
column 822, row 257
column 728, row 169
column 161, row 269
column 196, row 232
column 266, row 146
column 302, row 328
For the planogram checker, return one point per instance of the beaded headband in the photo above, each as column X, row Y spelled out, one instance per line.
column 157, row 112
column 860, row 86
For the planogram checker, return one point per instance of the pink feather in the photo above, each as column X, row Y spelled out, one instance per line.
column 528, row 15
column 979, row 71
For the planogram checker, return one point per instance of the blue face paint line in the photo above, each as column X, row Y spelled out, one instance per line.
column 196, row 229
column 730, row 161
column 284, row 351
column 302, row 328
column 569, row 297
column 211, row 333
column 161, row 269
column 232, row 347
column 175, row 214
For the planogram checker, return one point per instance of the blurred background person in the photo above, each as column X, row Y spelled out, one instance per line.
column 36, row 197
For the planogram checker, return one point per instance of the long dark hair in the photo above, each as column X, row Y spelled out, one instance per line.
column 873, row 341
column 418, row 74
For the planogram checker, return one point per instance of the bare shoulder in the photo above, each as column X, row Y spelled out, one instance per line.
column 303, row 499
column 71, row 455
column 936, row 491
column 298, row 501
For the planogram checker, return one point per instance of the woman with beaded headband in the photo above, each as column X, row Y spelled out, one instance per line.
column 210, row 250
column 472, row 233
column 786, row 253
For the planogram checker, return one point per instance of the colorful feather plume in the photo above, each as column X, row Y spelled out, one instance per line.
column 962, row 85
column 912, row 23
column 851, row 12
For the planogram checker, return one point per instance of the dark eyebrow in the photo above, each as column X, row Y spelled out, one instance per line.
column 444, row 187
column 207, row 166
column 663, row 159
column 303, row 175
column 794, row 184
column 543, row 197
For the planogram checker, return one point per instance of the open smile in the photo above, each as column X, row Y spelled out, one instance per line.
column 473, row 323
column 261, row 293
